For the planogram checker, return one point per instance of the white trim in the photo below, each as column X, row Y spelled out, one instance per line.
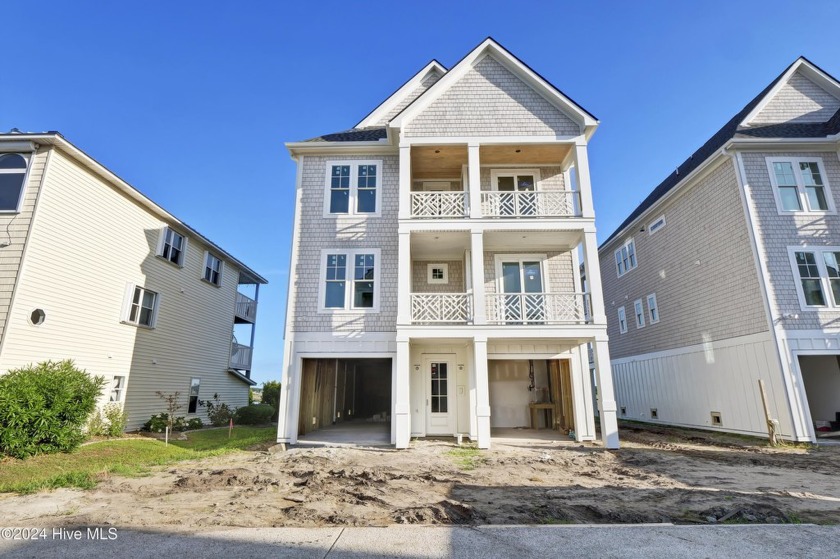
column 162, row 242
column 622, row 320
column 520, row 258
column 695, row 348
column 348, row 279
column 353, row 189
column 514, row 172
column 429, row 273
column 206, row 265
column 128, row 302
column 653, row 320
column 28, row 158
column 639, row 313
column 380, row 112
column 120, row 390
column 655, row 225
column 632, row 259
column 825, row 281
column 800, row 186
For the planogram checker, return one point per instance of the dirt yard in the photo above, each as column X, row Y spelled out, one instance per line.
column 659, row 475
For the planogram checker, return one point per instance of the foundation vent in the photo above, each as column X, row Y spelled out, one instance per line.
column 716, row 419
column 623, row 410
column 654, row 414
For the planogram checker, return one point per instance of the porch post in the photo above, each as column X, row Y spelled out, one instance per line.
column 401, row 420
column 474, row 175
column 404, row 279
column 482, row 393
column 404, row 211
column 289, row 394
column 587, row 209
column 606, row 396
column 593, row 278
column 477, row 273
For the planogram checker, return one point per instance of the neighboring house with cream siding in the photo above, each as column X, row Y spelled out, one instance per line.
column 92, row 270
column 434, row 286
column 729, row 273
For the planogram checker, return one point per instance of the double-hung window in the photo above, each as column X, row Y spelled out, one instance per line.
column 625, row 258
column 142, row 308
column 800, row 185
column 173, row 246
column 817, row 271
column 12, row 178
column 349, row 280
column 653, row 308
column 212, row 269
column 639, row 310
column 117, row 389
column 622, row 321
column 353, row 188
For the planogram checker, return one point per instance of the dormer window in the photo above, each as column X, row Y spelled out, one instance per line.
column 12, row 178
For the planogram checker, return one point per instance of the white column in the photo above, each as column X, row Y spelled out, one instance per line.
column 404, row 280
column 401, row 417
column 606, row 396
column 474, row 174
column 583, row 181
column 593, row 278
column 482, row 393
column 477, row 265
column 405, row 182
column 289, row 394
column 585, row 420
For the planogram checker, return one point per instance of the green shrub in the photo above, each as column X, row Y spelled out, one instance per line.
column 218, row 412
column 271, row 395
column 257, row 414
column 195, row 423
column 158, row 423
column 116, row 418
column 96, row 425
column 44, row 408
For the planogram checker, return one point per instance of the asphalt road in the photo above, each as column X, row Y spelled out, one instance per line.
column 621, row 542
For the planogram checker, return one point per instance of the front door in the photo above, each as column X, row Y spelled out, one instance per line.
column 440, row 397
column 522, row 285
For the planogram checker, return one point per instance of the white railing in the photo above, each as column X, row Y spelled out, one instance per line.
column 438, row 204
column 240, row 356
column 246, row 308
column 549, row 203
column 441, row 308
column 538, row 308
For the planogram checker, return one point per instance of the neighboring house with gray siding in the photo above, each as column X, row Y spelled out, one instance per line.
column 92, row 270
column 433, row 287
column 729, row 273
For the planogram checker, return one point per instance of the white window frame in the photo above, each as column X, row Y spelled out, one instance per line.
column 514, row 172
column 622, row 320
column 825, row 281
column 117, row 387
column 162, row 241
column 657, row 224
column 653, row 308
column 207, row 255
column 348, row 291
column 129, row 301
column 430, row 279
column 520, row 258
column 28, row 158
column 354, row 182
column 800, row 186
column 639, row 313
column 633, row 261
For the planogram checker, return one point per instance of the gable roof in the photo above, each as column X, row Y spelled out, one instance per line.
column 56, row 139
column 736, row 128
column 490, row 46
column 372, row 134
column 393, row 101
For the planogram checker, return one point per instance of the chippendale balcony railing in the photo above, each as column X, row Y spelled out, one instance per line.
column 441, row 308
column 550, row 203
column 438, row 204
column 538, row 308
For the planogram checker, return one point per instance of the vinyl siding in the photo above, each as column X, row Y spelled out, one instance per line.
column 777, row 232
column 17, row 228
column 700, row 266
column 799, row 100
column 88, row 242
column 489, row 100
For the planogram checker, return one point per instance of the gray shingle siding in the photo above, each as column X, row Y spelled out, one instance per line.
column 559, row 269
column 490, row 101
column 420, row 276
column 428, row 82
column 799, row 100
column 350, row 232
column 778, row 232
column 700, row 266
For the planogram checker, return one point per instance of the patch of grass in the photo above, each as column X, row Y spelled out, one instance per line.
column 466, row 457
column 129, row 457
column 794, row 518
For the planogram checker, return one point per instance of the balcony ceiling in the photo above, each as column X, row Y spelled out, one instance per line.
column 446, row 161
column 439, row 245
column 531, row 241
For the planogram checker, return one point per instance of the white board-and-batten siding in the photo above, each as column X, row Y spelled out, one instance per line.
column 88, row 242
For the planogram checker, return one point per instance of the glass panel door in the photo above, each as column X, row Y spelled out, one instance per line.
column 524, row 300
column 439, row 400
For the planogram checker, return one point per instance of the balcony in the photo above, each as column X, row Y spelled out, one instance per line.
column 441, row 308
column 246, row 309
column 438, row 205
column 525, row 204
column 538, row 308
column 240, row 356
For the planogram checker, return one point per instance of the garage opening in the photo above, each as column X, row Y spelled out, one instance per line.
column 530, row 394
column 821, row 376
column 345, row 401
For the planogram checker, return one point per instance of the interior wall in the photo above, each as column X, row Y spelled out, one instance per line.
column 509, row 394
column 821, row 376
column 373, row 389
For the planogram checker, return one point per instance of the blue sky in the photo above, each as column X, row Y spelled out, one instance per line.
column 191, row 101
